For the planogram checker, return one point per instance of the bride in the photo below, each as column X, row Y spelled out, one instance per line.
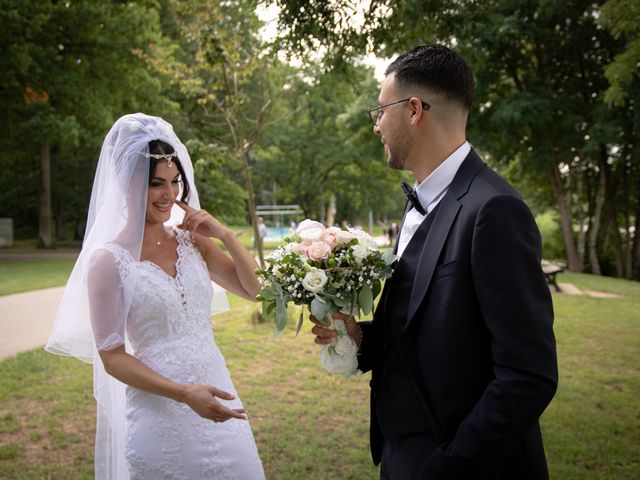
column 138, row 305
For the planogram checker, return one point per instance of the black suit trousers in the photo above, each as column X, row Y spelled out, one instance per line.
column 404, row 457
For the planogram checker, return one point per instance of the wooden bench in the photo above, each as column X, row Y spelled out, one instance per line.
column 550, row 271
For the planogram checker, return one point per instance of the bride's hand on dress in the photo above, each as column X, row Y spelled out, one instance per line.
column 202, row 222
column 202, row 400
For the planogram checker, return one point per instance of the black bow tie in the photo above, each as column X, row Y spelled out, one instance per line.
column 413, row 198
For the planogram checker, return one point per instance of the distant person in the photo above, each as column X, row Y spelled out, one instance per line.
column 461, row 346
column 138, row 304
column 392, row 233
column 262, row 231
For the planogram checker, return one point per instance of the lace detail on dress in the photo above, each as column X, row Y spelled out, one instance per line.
column 169, row 328
column 124, row 260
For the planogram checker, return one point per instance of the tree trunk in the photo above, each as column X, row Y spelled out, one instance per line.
column 251, row 200
column 331, row 211
column 607, row 225
column 81, row 225
column 565, row 219
column 636, row 232
column 44, row 224
column 582, row 227
column 59, row 219
column 606, row 231
column 617, row 243
column 636, row 244
column 610, row 225
column 627, row 243
column 597, row 215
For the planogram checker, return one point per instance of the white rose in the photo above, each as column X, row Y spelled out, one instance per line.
column 314, row 280
column 360, row 252
column 343, row 237
column 310, row 230
column 364, row 238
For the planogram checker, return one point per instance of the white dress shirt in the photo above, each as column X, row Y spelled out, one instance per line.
column 430, row 192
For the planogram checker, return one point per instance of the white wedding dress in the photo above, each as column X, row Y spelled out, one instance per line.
column 169, row 329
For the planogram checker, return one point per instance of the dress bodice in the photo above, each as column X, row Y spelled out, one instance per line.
column 169, row 320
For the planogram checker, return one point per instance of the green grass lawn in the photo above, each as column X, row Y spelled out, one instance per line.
column 311, row 425
column 592, row 428
column 25, row 275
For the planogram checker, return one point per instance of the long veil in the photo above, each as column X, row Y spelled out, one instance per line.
column 92, row 314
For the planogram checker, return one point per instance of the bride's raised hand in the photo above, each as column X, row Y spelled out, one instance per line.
column 201, row 221
column 203, row 400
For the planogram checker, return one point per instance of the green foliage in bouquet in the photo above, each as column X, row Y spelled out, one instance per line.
column 344, row 278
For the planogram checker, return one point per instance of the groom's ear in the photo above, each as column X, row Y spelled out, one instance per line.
column 416, row 110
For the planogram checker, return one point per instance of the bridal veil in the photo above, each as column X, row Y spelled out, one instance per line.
column 116, row 215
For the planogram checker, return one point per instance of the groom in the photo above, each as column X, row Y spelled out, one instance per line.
column 461, row 346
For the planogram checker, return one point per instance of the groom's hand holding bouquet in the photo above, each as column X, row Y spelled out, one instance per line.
column 337, row 274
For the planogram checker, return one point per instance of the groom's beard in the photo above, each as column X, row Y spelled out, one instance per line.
column 398, row 152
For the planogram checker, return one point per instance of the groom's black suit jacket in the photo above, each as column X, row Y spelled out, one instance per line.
column 477, row 338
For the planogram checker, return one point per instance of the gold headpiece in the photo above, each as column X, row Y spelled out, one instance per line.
column 163, row 156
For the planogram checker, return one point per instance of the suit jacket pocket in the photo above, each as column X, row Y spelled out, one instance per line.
column 446, row 269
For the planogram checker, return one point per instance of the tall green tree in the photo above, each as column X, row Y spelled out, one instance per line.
column 217, row 67
column 622, row 19
column 320, row 147
column 68, row 69
column 540, row 70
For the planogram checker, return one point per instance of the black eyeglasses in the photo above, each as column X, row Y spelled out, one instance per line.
column 376, row 113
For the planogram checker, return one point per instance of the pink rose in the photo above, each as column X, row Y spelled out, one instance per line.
column 318, row 250
column 343, row 237
column 303, row 247
column 329, row 236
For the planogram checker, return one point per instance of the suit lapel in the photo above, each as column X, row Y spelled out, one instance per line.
column 448, row 210
column 446, row 214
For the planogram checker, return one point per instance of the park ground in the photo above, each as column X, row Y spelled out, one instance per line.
column 309, row 424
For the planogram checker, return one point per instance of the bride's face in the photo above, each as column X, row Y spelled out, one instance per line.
column 163, row 191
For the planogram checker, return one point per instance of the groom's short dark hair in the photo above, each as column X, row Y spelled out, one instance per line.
column 437, row 68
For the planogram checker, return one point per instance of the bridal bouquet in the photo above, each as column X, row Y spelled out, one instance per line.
column 328, row 270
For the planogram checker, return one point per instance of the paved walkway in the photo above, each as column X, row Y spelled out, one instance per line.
column 26, row 319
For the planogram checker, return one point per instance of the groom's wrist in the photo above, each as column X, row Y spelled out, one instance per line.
column 355, row 332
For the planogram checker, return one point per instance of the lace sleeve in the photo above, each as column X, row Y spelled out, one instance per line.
column 106, row 300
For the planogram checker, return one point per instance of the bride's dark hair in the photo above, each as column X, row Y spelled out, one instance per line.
column 158, row 147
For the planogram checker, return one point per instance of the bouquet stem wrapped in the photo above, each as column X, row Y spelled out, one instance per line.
column 341, row 356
